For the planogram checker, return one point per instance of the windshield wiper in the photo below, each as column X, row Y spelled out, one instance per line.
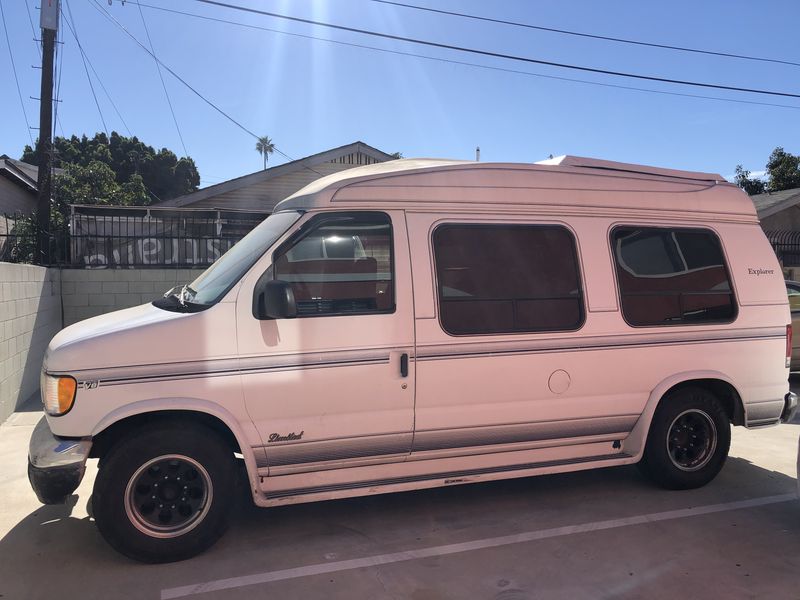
column 184, row 295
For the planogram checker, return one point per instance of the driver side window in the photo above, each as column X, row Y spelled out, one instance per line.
column 340, row 264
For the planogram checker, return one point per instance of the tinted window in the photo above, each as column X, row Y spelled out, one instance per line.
column 672, row 276
column 340, row 264
column 507, row 278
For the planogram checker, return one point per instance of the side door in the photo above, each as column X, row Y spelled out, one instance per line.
column 505, row 364
column 333, row 387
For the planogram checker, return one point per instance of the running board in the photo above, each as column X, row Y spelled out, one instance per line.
column 453, row 477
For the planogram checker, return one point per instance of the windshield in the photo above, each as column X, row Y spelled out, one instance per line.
column 220, row 277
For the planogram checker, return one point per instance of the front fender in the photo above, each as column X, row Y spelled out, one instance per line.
column 634, row 444
column 197, row 405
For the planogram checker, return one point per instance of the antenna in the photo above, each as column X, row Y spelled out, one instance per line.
column 477, row 153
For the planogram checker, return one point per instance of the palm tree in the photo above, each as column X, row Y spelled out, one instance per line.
column 265, row 147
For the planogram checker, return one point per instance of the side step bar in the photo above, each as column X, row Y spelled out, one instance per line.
column 449, row 478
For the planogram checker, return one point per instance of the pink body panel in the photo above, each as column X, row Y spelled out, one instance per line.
column 319, row 405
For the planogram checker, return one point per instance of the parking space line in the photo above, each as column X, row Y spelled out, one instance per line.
column 529, row 536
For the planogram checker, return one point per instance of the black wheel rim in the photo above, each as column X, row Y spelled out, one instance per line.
column 692, row 440
column 168, row 496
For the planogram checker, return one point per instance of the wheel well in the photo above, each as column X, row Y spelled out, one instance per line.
column 724, row 391
column 104, row 440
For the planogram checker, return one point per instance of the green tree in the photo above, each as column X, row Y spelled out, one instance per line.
column 396, row 155
column 784, row 170
column 96, row 184
column 132, row 163
column 265, row 147
column 751, row 185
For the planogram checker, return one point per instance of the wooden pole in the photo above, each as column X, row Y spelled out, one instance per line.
column 45, row 148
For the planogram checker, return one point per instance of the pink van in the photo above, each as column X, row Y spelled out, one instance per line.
column 424, row 323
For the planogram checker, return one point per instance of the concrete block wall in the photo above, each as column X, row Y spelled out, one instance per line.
column 91, row 292
column 30, row 315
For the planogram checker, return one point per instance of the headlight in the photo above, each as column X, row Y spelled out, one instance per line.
column 58, row 393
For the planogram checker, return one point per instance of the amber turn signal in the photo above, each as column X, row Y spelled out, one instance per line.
column 58, row 394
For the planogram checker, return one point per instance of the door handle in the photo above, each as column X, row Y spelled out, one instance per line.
column 404, row 365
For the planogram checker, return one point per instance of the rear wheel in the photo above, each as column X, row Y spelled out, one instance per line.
column 164, row 493
column 688, row 441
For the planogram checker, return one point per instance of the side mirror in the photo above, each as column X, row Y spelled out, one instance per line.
column 273, row 299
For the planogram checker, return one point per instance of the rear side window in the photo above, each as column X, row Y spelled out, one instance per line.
column 507, row 279
column 672, row 276
column 340, row 264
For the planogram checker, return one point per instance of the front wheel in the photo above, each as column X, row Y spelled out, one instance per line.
column 689, row 440
column 164, row 493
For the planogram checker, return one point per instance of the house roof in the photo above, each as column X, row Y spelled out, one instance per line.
column 774, row 202
column 272, row 172
column 23, row 174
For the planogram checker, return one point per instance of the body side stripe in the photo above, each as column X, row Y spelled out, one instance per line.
column 311, row 360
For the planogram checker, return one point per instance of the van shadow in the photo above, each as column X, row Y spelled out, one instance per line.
column 284, row 537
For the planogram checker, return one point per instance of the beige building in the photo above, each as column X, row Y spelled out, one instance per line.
column 262, row 190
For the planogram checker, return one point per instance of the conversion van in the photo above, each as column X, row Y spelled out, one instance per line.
column 424, row 323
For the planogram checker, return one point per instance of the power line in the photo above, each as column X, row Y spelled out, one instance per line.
column 85, row 57
column 33, row 29
column 163, row 84
column 119, row 25
column 16, row 79
column 70, row 20
column 462, row 63
column 587, row 35
column 86, row 68
column 496, row 54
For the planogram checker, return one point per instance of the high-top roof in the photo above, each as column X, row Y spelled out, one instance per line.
column 567, row 181
column 610, row 165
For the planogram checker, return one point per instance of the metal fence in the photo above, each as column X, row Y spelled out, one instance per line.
column 18, row 241
column 786, row 245
column 113, row 237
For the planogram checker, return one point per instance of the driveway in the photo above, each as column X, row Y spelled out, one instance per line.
column 596, row 534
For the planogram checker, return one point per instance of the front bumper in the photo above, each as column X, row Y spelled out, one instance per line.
column 55, row 465
column 789, row 407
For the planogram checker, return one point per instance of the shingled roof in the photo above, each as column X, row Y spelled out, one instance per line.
column 253, row 184
column 774, row 202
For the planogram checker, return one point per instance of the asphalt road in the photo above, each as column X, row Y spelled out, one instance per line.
column 596, row 534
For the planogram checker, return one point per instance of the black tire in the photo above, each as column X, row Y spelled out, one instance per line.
column 195, row 463
column 689, row 439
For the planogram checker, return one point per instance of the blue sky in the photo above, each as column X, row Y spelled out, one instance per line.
column 313, row 95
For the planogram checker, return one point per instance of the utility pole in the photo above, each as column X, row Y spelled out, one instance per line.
column 49, row 25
